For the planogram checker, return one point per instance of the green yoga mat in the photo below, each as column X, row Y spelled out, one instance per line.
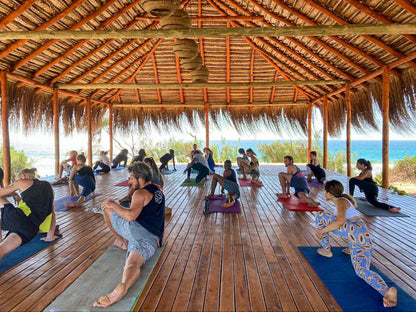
column 101, row 278
column 191, row 183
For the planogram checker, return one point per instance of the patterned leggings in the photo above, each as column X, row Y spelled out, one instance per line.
column 360, row 246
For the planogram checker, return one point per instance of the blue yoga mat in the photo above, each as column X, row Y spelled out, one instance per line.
column 23, row 252
column 60, row 203
column 118, row 168
column 351, row 292
column 167, row 172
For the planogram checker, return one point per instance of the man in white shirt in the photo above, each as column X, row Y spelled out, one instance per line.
column 200, row 164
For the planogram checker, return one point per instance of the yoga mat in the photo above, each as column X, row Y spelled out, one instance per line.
column 245, row 183
column 50, row 178
column 295, row 204
column 315, row 183
column 24, row 252
column 191, row 183
column 167, row 172
column 101, row 278
column 118, row 168
column 351, row 292
column 214, row 205
column 124, row 183
column 369, row 210
column 59, row 203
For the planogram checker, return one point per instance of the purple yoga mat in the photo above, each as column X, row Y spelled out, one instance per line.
column 244, row 183
column 60, row 203
column 214, row 205
column 314, row 183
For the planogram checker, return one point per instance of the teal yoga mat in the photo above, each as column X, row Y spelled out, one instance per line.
column 101, row 278
column 351, row 292
column 24, row 252
column 191, row 183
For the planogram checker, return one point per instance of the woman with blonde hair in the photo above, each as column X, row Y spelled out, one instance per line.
column 347, row 224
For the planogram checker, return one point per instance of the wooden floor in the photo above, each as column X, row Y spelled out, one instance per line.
column 217, row 262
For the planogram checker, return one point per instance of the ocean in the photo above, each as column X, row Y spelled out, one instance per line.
column 43, row 155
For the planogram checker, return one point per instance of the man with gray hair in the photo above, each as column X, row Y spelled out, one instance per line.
column 139, row 228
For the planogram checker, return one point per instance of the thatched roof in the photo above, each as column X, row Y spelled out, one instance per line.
column 34, row 66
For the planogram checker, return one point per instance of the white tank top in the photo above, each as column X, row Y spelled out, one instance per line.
column 351, row 212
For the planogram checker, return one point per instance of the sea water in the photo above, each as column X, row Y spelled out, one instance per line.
column 43, row 156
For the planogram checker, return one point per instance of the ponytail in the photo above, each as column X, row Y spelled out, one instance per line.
column 366, row 163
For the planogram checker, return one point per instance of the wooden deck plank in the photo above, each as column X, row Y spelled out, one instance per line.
column 217, row 262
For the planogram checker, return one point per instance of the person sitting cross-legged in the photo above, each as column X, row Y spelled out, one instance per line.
column 200, row 164
column 228, row 181
column 139, row 228
column 35, row 211
column 296, row 179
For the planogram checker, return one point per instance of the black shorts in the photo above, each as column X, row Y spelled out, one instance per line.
column 15, row 221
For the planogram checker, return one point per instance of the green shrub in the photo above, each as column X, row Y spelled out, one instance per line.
column 19, row 161
column 404, row 170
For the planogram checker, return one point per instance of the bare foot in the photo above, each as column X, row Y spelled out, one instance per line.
column 390, row 298
column 187, row 180
column 363, row 199
column 120, row 243
column 395, row 209
column 209, row 196
column 107, row 300
column 256, row 182
column 326, row 252
column 228, row 205
column 282, row 195
column 314, row 204
column 346, row 251
column 70, row 205
column 244, row 178
column 202, row 182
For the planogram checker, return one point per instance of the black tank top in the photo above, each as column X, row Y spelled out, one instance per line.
column 232, row 176
column 39, row 198
column 86, row 170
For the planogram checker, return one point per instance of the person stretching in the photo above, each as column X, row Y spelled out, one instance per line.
column 67, row 164
column 347, row 224
column 165, row 159
column 228, row 181
column 82, row 175
column 104, row 163
column 367, row 185
column 200, row 164
column 139, row 228
column 314, row 169
column 34, row 213
column 209, row 156
column 296, row 179
column 120, row 158
column 243, row 162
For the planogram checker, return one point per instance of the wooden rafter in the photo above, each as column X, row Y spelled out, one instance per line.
column 253, row 45
column 179, row 74
column 159, row 96
column 38, row 51
column 201, row 46
column 208, row 18
column 82, row 42
column 406, row 5
column 165, row 86
column 193, row 105
column 17, row 44
column 273, row 91
column 341, row 21
column 14, row 14
column 137, row 92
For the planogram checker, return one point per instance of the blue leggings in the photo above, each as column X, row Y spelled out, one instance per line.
column 360, row 246
column 87, row 183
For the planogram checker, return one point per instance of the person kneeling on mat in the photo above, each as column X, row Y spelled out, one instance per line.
column 200, row 164
column 347, row 224
column 139, row 228
column 228, row 181
column 296, row 179
column 34, row 213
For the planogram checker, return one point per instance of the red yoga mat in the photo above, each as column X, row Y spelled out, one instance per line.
column 124, row 183
column 295, row 204
column 244, row 183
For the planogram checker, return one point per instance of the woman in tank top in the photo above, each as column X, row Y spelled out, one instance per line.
column 347, row 224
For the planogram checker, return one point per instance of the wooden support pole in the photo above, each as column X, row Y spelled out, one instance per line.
column 325, row 131
column 214, row 85
column 295, row 31
column 56, row 127
column 309, row 131
column 89, row 130
column 206, row 124
column 110, row 129
column 7, row 167
column 385, row 131
column 348, row 130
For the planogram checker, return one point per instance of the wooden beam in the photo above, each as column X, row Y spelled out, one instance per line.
column 5, row 128
column 207, row 125
column 273, row 90
column 309, row 131
column 385, row 131
column 110, row 129
column 193, row 105
column 348, row 130
column 159, row 95
column 201, row 47
column 179, row 75
column 214, row 85
column 251, row 75
column 208, row 18
column 89, row 131
column 56, row 127
column 228, row 65
column 298, row 31
column 325, row 132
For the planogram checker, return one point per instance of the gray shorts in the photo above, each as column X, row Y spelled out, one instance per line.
column 139, row 239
